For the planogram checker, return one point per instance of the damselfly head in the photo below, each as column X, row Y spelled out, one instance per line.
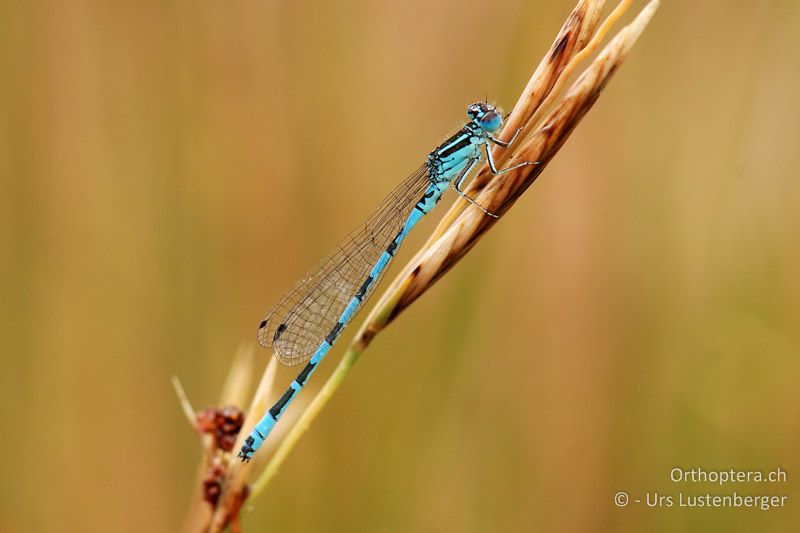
column 486, row 116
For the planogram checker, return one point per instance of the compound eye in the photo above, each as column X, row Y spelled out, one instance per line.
column 491, row 121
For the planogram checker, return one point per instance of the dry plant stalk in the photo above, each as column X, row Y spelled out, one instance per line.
column 460, row 228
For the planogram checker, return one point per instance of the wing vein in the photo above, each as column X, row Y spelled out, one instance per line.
column 305, row 314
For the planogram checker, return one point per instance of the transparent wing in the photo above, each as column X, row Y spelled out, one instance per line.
column 299, row 322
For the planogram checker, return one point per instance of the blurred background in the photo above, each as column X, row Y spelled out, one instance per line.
column 169, row 169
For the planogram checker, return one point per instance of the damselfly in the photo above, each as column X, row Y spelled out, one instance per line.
column 306, row 322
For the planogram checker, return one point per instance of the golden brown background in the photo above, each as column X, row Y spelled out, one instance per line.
column 169, row 169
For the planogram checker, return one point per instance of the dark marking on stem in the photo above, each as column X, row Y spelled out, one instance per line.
column 367, row 336
column 559, row 48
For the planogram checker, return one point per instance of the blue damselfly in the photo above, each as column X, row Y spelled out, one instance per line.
column 306, row 322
